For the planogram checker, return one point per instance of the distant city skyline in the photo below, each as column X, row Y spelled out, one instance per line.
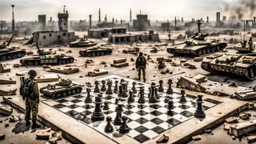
column 162, row 10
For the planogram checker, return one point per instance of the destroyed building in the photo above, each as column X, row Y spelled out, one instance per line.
column 141, row 23
column 131, row 38
column 42, row 21
column 106, row 32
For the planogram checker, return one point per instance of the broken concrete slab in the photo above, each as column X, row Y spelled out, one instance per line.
column 8, row 92
column 246, row 94
column 98, row 72
column 119, row 63
column 196, row 138
column 243, row 128
column 3, row 69
column 5, row 110
column 198, row 59
column 244, row 116
column 191, row 84
column 63, row 70
column 47, row 78
column 6, row 80
column 232, row 120
column 251, row 139
column 200, row 78
column 21, row 73
column 56, row 136
column 44, row 133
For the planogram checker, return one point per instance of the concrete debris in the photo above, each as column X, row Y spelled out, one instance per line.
column 244, row 116
column 13, row 119
column 44, row 134
column 246, row 94
column 233, row 137
column 191, row 84
column 21, row 73
column 16, row 65
column 208, row 131
column 175, row 64
column 5, row 110
column 118, row 63
column 242, row 128
column 3, row 69
column 98, row 72
column 161, row 63
column 220, row 93
column 56, row 136
column 4, row 80
column 47, row 78
column 89, row 61
column 251, row 139
column 196, row 138
column 6, row 125
column 69, row 51
column 233, row 85
column 2, row 136
column 232, row 120
column 154, row 50
column 63, row 70
column 198, row 59
column 252, row 105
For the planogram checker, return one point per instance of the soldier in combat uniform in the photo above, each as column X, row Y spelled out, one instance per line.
column 141, row 65
column 32, row 101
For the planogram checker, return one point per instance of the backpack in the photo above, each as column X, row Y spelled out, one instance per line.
column 26, row 89
column 141, row 61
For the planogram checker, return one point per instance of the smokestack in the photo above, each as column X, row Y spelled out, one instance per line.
column 64, row 11
column 106, row 19
column 199, row 25
column 207, row 19
column 130, row 15
column 217, row 19
column 175, row 23
column 90, row 21
column 113, row 20
column 13, row 22
column 99, row 16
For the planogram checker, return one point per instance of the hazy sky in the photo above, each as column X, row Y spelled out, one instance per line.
column 80, row 9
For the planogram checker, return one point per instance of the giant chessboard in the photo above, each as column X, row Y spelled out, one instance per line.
column 146, row 121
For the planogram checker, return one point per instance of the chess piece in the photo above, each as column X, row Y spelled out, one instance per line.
column 116, row 87
column 156, row 93
column 199, row 113
column 119, row 110
column 182, row 98
column 97, row 114
column 130, row 98
column 106, row 106
column 166, row 100
column 100, row 95
column 124, row 127
column 103, row 88
column 141, row 96
column 161, row 88
column 153, row 98
column 88, row 98
column 134, row 87
column 169, row 90
column 123, row 90
column 170, row 107
column 96, row 89
column 163, row 139
column 117, row 100
column 149, row 91
column 109, row 127
column 109, row 90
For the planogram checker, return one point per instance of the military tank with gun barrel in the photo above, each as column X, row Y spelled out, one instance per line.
column 246, row 47
column 82, row 43
column 197, row 45
column 43, row 52
column 47, row 60
column 63, row 88
column 95, row 51
column 8, row 53
column 238, row 64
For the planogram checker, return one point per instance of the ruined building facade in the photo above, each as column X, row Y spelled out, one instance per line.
column 141, row 23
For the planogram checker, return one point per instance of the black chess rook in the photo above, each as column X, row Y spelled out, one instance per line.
column 97, row 114
column 199, row 113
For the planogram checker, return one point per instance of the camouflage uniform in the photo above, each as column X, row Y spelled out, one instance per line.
column 141, row 66
column 32, row 104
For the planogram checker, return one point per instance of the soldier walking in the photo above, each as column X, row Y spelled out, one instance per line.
column 141, row 65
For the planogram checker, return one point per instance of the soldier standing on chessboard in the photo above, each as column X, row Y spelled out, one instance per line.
column 141, row 65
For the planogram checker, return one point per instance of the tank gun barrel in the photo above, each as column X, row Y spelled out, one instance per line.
column 10, row 40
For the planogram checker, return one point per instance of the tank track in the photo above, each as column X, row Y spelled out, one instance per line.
column 12, row 55
column 94, row 53
column 36, row 62
column 60, row 93
column 77, row 45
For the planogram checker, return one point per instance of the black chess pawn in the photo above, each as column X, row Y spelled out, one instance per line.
column 166, row 100
column 134, row 87
column 106, row 106
column 109, row 90
column 88, row 98
column 161, row 88
column 170, row 107
column 97, row 114
column 153, row 98
column 109, row 127
column 103, row 88
column 183, row 98
column 141, row 96
column 130, row 98
column 149, row 92
column 169, row 90
column 119, row 110
column 116, row 87
column 117, row 101
column 96, row 89
column 124, row 127
column 199, row 113
column 156, row 93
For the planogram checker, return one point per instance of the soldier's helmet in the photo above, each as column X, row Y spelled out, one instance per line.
column 32, row 73
column 140, row 53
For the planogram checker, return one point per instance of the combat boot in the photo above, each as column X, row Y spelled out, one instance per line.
column 35, row 125
column 28, row 123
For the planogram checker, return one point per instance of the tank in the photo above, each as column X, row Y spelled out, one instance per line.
column 243, row 65
column 246, row 47
column 197, row 45
column 43, row 52
column 47, row 60
column 63, row 88
column 8, row 53
column 95, row 51
column 82, row 43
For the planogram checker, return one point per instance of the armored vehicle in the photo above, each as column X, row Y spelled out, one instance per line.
column 7, row 53
column 238, row 64
column 95, row 51
column 197, row 45
column 246, row 47
column 47, row 60
column 42, row 52
column 63, row 88
column 82, row 43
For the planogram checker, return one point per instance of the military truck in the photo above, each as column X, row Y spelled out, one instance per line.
column 197, row 45
column 63, row 88
column 243, row 65
column 95, row 51
column 82, row 43
column 8, row 53
column 47, row 60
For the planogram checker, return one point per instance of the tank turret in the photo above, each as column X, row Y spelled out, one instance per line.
column 95, row 51
column 82, row 43
column 246, row 47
